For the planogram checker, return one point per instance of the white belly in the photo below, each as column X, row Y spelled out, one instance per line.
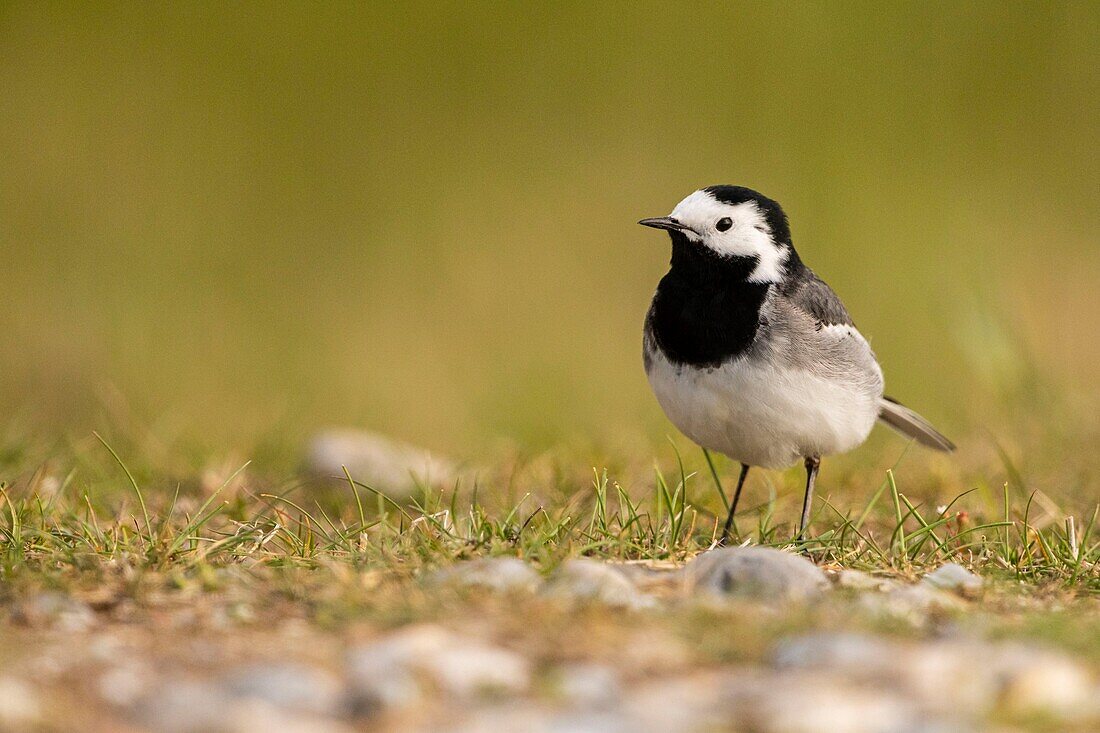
column 762, row 415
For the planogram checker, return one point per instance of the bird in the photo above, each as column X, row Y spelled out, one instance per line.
column 751, row 354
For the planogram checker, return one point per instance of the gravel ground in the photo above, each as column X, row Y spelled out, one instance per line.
column 750, row 639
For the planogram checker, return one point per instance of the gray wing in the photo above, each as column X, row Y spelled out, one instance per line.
column 851, row 353
column 812, row 295
column 809, row 328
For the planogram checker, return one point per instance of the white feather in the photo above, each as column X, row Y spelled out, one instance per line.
column 749, row 235
column 762, row 414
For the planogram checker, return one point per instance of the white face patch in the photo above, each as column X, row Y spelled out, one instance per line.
column 748, row 236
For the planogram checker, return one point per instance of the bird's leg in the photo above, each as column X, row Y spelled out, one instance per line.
column 812, row 464
column 733, row 505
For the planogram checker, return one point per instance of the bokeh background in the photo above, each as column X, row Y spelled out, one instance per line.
column 238, row 223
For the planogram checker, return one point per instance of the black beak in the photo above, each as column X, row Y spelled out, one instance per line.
column 665, row 222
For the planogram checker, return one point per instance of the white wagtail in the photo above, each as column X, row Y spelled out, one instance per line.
column 751, row 354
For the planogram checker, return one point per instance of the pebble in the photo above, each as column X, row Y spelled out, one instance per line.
column 861, row 581
column 911, row 603
column 20, row 708
column 396, row 469
column 808, row 703
column 184, row 706
column 587, row 685
column 536, row 719
column 54, row 610
column 123, row 684
column 259, row 716
column 929, row 672
column 761, row 573
column 680, row 703
column 953, row 577
column 496, row 574
column 253, row 700
column 660, row 579
column 583, row 579
column 295, row 687
column 1039, row 681
column 948, row 676
column 392, row 672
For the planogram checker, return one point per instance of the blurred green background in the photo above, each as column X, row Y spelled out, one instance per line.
column 238, row 220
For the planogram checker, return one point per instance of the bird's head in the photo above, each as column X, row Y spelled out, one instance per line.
column 735, row 225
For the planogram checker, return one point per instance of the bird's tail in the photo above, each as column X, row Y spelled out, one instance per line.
column 912, row 425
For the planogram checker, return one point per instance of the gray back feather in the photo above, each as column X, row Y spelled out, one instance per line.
column 794, row 333
column 813, row 295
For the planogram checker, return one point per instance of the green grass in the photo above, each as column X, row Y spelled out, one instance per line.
column 65, row 528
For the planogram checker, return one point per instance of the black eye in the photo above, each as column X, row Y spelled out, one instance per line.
column 723, row 224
